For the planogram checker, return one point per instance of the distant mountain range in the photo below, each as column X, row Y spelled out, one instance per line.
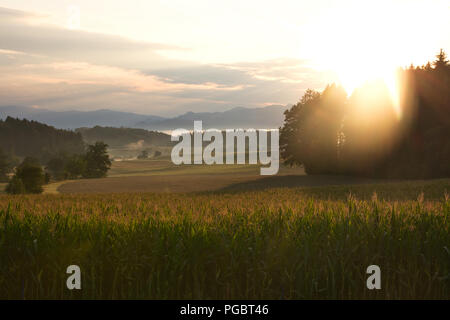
column 76, row 119
column 258, row 118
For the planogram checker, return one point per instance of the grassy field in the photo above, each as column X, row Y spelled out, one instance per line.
column 249, row 239
column 164, row 176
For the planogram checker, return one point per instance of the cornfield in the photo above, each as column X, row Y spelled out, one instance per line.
column 267, row 244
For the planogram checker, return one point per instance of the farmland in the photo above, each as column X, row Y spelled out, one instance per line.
column 282, row 237
column 163, row 176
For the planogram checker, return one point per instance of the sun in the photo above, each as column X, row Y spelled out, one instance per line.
column 366, row 42
column 354, row 71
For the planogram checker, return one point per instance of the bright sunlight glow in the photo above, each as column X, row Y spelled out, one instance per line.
column 370, row 42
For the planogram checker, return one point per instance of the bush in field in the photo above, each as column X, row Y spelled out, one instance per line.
column 143, row 155
column 15, row 186
column 29, row 178
column 157, row 154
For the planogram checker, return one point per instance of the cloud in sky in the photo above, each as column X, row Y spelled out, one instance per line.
column 47, row 65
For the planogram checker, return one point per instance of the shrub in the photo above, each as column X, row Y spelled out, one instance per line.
column 30, row 175
column 15, row 186
column 157, row 154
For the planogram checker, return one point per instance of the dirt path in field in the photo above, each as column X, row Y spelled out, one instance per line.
column 52, row 188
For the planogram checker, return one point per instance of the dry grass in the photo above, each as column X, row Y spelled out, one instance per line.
column 164, row 176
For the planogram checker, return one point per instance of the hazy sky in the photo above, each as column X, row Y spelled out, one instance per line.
column 166, row 57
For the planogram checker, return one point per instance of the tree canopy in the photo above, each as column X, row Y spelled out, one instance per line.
column 25, row 138
column 366, row 134
column 97, row 161
column 29, row 178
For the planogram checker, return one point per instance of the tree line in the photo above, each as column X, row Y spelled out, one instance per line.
column 122, row 136
column 370, row 134
column 34, row 153
column 30, row 175
column 22, row 138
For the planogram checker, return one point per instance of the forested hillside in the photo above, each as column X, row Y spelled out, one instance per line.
column 122, row 136
column 24, row 138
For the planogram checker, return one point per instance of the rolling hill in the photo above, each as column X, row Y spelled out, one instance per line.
column 257, row 118
column 76, row 119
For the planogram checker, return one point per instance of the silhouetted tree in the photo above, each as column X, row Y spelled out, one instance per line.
column 29, row 177
column 441, row 60
column 97, row 161
column 310, row 133
column 293, row 134
column 368, row 134
column 368, row 130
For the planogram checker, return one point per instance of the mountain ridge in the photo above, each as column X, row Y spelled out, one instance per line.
column 237, row 117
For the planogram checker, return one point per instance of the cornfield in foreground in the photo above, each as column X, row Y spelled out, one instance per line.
column 273, row 244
